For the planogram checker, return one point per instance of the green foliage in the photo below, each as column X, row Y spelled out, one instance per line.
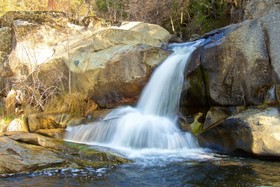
column 208, row 15
column 111, row 9
column 189, row 17
column 101, row 5
column 181, row 17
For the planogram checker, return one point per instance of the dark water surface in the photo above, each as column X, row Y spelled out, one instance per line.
column 220, row 171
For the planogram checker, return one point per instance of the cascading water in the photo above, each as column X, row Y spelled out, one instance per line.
column 162, row 94
column 151, row 126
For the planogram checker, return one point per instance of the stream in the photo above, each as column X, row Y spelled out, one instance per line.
column 199, row 168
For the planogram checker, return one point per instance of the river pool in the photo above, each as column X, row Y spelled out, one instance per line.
column 199, row 168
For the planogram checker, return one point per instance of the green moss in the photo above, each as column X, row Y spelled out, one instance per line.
column 196, row 126
column 263, row 106
column 86, row 156
column 208, row 15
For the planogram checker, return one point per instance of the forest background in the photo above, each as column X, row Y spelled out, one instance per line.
column 184, row 18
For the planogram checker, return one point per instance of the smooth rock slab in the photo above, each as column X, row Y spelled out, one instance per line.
column 17, row 157
column 28, row 152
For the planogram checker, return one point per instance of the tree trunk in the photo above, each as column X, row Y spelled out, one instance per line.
column 172, row 24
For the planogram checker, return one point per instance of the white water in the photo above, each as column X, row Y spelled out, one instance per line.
column 162, row 94
column 150, row 130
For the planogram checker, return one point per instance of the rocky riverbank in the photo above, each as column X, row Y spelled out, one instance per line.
column 28, row 152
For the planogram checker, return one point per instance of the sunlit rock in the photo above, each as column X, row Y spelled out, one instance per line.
column 46, row 121
column 109, row 64
column 255, row 131
column 17, row 125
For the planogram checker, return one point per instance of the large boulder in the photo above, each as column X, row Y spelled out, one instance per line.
column 239, row 69
column 23, row 157
column 120, row 73
column 52, row 54
column 254, row 131
column 260, row 8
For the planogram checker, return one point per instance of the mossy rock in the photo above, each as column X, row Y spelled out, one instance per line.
column 27, row 152
column 196, row 126
column 89, row 157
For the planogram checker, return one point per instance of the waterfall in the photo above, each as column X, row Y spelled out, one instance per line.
column 153, row 123
column 162, row 94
